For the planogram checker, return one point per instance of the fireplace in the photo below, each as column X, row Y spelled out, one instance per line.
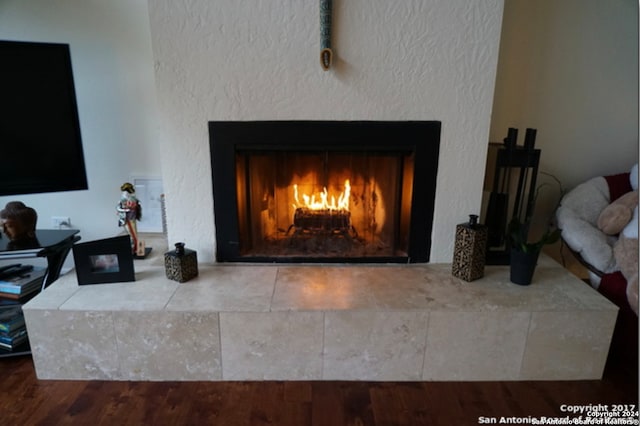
column 324, row 191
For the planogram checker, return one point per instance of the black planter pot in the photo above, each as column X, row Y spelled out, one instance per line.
column 523, row 265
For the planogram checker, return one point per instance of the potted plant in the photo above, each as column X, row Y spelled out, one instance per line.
column 524, row 254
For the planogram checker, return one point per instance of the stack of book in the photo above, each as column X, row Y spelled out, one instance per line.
column 26, row 281
column 13, row 331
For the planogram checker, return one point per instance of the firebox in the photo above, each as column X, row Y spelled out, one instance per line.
column 324, row 191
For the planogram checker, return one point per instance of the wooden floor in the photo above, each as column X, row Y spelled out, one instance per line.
column 25, row 400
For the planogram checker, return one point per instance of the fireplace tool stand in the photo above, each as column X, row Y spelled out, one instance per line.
column 525, row 160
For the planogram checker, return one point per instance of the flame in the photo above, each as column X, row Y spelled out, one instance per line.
column 321, row 201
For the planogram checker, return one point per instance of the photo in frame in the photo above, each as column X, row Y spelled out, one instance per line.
column 103, row 261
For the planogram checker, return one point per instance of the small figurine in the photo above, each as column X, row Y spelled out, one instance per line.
column 129, row 212
column 19, row 222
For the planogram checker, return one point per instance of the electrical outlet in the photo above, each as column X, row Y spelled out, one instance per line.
column 59, row 222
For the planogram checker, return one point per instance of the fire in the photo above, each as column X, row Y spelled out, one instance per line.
column 321, row 201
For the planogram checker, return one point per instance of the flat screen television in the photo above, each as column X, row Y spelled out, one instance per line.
column 40, row 141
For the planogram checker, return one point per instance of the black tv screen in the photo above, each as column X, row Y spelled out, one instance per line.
column 40, row 141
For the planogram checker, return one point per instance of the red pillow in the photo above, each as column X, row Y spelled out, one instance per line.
column 618, row 185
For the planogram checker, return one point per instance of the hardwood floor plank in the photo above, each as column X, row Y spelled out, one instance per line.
column 327, row 407
column 444, row 406
column 267, row 397
column 49, row 404
column 498, row 398
column 414, row 400
column 235, row 402
column 473, row 402
column 388, row 407
column 357, row 403
column 298, row 391
column 25, row 400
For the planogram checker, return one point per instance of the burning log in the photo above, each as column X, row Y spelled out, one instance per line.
column 324, row 220
column 322, row 215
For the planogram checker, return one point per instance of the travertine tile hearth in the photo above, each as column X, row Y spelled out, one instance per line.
column 321, row 322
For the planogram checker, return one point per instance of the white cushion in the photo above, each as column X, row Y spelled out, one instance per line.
column 578, row 217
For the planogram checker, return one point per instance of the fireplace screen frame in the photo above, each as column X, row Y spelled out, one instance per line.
column 421, row 139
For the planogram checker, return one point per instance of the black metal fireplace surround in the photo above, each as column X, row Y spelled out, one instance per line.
column 386, row 170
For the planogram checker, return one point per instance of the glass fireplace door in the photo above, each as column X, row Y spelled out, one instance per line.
column 323, row 204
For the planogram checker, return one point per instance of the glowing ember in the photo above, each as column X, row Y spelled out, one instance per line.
column 322, row 201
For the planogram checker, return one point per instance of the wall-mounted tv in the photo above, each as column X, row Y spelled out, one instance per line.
column 40, row 141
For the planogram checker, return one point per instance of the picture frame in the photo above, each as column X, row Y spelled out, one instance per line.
column 104, row 261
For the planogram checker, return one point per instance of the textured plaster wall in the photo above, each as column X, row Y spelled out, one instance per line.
column 258, row 60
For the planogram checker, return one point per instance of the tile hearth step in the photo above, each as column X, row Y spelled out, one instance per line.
column 339, row 322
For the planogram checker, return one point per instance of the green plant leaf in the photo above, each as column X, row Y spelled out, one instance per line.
column 518, row 234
